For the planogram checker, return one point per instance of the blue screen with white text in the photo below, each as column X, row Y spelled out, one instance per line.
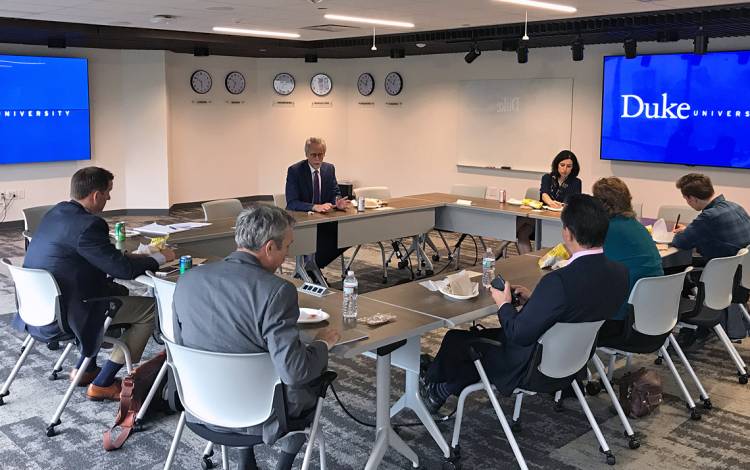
column 44, row 109
column 678, row 108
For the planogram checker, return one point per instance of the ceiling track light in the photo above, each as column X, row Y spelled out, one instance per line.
column 201, row 51
column 473, row 53
column 523, row 53
column 398, row 53
column 700, row 43
column 577, row 50
column 631, row 48
column 542, row 5
column 374, row 47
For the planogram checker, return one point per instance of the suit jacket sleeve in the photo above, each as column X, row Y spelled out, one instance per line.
column 94, row 245
column 544, row 308
column 293, row 196
column 295, row 362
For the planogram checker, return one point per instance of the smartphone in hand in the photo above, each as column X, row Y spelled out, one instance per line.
column 499, row 284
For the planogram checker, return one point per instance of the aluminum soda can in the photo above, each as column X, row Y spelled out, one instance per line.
column 120, row 231
column 502, row 195
column 361, row 204
column 186, row 262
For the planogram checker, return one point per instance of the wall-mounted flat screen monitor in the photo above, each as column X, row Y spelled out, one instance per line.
column 683, row 109
column 44, row 109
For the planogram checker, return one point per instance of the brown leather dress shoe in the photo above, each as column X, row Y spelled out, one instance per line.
column 87, row 377
column 97, row 393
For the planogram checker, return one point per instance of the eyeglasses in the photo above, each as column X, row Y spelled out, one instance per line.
column 318, row 155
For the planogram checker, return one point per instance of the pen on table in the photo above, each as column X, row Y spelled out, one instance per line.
column 676, row 223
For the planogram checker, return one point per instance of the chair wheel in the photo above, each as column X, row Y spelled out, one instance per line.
column 53, row 375
column 450, row 464
column 384, row 280
column 743, row 379
column 634, row 442
column 456, row 451
column 558, row 406
column 593, row 388
column 707, row 405
column 658, row 361
column 2, row 402
column 51, row 429
column 515, row 426
column 610, row 458
column 206, row 463
column 695, row 415
column 435, row 257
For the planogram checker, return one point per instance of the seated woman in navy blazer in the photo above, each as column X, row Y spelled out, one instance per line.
column 557, row 186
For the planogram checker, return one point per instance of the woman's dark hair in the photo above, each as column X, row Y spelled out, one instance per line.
column 587, row 220
column 565, row 155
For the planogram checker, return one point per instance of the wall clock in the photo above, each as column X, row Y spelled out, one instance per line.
column 201, row 81
column 283, row 83
column 235, row 83
column 394, row 83
column 365, row 84
column 321, row 84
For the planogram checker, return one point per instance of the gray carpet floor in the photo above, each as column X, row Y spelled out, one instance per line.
column 549, row 440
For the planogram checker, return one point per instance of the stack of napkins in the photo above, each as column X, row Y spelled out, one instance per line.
column 660, row 232
column 460, row 284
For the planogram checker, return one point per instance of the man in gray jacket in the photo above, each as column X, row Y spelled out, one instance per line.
column 238, row 305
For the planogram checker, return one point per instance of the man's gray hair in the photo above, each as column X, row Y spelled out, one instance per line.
column 314, row 140
column 260, row 223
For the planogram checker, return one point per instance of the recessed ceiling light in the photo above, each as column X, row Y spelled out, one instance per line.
column 220, row 8
column 375, row 21
column 255, row 32
column 544, row 5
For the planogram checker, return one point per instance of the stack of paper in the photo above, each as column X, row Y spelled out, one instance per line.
column 158, row 229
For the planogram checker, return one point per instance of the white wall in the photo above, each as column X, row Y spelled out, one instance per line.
column 164, row 148
column 128, row 103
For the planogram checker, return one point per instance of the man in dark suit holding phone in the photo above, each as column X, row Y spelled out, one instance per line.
column 311, row 186
column 590, row 288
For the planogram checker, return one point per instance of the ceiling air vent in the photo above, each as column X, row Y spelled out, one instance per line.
column 331, row 28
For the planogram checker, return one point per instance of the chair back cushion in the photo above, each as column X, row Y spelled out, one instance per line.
column 32, row 216
column 221, row 209
column 656, row 303
column 532, row 193
column 376, row 192
column 37, row 293
column 279, row 200
column 745, row 263
column 718, row 280
column 164, row 292
column 469, row 190
column 567, row 347
column 670, row 213
column 227, row 390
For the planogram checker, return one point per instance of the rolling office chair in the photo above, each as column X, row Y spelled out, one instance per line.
column 559, row 359
column 638, row 209
column 279, row 200
column 38, row 298
column 221, row 209
column 653, row 308
column 715, row 288
column 224, row 400
column 669, row 213
column 32, row 216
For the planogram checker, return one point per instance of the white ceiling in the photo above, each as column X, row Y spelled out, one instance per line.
column 291, row 15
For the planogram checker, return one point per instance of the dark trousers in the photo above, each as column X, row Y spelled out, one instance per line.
column 327, row 249
column 453, row 363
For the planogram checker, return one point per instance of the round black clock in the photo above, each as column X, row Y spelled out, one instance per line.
column 201, row 81
column 394, row 83
column 235, row 83
column 283, row 84
column 365, row 84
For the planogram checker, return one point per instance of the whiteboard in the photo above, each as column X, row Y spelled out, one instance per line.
column 521, row 124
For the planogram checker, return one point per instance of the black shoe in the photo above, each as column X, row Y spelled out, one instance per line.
column 430, row 396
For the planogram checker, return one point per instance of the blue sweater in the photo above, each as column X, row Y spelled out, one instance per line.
column 629, row 243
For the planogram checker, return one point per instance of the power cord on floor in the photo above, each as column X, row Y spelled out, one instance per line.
column 395, row 425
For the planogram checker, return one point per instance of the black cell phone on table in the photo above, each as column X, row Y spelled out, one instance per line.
column 499, row 284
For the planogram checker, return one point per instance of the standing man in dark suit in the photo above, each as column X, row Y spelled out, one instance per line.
column 311, row 186
column 72, row 243
column 590, row 288
column 248, row 309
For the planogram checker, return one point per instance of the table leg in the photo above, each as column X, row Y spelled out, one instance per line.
column 537, row 234
column 385, row 435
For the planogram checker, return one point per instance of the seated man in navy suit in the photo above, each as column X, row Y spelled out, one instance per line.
column 589, row 288
column 311, row 186
column 72, row 243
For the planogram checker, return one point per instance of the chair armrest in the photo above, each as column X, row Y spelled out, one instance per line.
column 27, row 235
column 114, row 304
column 474, row 354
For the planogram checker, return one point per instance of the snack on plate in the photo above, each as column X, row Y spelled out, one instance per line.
column 159, row 242
column 372, row 203
column 554, row 255
column 532, row 203
column 459, row 284
column 379, row 319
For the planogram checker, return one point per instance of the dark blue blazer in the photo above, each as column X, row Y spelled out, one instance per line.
column 591, row 288
column 74, row 246
column 299, row 189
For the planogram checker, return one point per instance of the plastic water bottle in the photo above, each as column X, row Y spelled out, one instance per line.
column 350, row 296
column 488, row 268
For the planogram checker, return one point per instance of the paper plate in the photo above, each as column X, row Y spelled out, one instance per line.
column 461, row 297
column 372, row 203
column 312, row 315
column 514, row 202
column 554, row 209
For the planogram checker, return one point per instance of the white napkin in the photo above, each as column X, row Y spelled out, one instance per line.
column 146, row 249
column 661, row 233
column 463, row 202
column 460, row 284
